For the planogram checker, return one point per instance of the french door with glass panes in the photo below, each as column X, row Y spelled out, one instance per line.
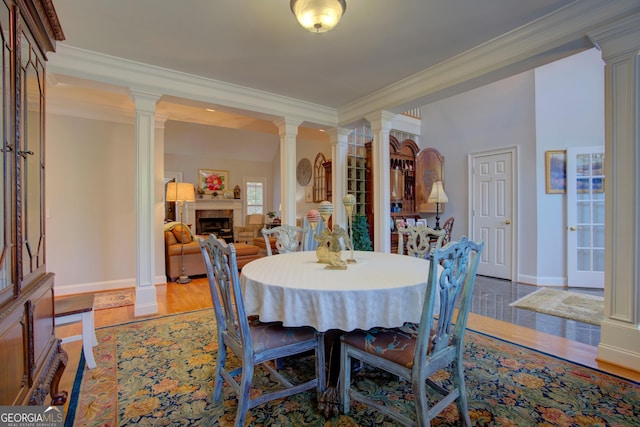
column 585, row 217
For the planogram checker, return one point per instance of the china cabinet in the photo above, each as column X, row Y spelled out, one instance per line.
column 402, row 179
column 32, row 359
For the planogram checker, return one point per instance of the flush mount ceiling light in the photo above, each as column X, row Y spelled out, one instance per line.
column 318, row 16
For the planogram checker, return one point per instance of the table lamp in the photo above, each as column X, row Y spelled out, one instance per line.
column 181, row 192
column 437, row 196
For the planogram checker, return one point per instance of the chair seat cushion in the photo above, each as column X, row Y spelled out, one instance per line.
column 265, row 336
column 395, row 344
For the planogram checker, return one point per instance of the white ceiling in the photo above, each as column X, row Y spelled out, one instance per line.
column 259, row 44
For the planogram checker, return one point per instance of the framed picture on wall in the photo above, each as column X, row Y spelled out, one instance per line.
column 556, row 171
column 211, row 180
column 308, row 194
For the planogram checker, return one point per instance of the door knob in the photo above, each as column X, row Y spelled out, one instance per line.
column 508, row 222
column 572, row 228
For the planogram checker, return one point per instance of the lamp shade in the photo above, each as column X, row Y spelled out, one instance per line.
column 318, row 16
column 180, row 192
column 437, row 194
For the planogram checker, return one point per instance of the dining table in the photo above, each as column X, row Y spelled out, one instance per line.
column 378, row 290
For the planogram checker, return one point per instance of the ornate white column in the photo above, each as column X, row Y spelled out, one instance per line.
column 380, row 127
column 288, row 139
column 339, row 145
column 620, row 330
column 145, row 103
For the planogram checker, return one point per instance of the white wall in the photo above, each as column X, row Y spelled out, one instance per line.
column 497, row 115
column 90, row 199
column 553, row 107
column 569, row 101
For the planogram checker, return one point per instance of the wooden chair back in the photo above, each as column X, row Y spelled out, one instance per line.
column 447, row 227
column 415, row 352
column 288, row 238
column 253, row 342
column 420, row 240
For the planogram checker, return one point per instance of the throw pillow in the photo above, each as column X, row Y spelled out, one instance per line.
column 182, row 233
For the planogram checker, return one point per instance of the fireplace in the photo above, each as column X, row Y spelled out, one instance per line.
column 216, row 221
column 216, row 216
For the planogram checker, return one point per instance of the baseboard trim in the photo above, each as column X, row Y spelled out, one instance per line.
column 542, row 281
column 81, row 288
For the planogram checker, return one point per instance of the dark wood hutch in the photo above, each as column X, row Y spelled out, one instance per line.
column 412, row 172
column 32, row 358
column 402, row 174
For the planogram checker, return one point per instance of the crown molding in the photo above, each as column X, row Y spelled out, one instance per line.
column 549, row 38
column 91, row 110
column 95, row 66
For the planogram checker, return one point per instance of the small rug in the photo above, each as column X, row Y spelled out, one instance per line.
column 569, row 305
column 113, row 299
column 160, row 372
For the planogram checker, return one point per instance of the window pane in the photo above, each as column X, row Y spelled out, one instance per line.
column 255, row 197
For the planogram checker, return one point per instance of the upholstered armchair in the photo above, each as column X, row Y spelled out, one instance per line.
column 252, row 225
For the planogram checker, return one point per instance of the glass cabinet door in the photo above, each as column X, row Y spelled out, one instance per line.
column 7, row 283
column 31, row 158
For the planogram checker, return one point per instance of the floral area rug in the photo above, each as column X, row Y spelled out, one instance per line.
column 568, row 305
column 159, row 372
column 114, row 299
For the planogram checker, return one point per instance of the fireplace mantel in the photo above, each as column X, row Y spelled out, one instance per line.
column 190, row 209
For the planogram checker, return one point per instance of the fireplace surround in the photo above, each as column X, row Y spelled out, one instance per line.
column 214, row 216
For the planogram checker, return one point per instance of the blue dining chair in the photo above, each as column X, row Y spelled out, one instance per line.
column 253, row 342
column 415, row 352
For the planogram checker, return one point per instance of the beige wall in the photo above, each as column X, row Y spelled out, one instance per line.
column 90, row 202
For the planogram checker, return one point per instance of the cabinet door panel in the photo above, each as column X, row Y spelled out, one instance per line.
column 43, row 330
column 12, row 354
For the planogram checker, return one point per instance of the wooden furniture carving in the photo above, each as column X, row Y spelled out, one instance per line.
column 32, row 358
column 288, row 239
column 402, row 172
column 421, row 240
column 327, row 181
column 447, row 227
column 429, row 169
column 319, row 179
column 402, row 158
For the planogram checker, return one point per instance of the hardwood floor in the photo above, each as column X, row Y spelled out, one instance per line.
column 175, row 298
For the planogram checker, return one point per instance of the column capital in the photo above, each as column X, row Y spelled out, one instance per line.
column 380, row 120
column 144, row 100
column 618, row 38
column 338, row 135
column 287, row 126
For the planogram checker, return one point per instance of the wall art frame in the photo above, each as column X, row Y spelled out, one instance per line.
column 308, row 194
column 556, row 171
column 213, row 181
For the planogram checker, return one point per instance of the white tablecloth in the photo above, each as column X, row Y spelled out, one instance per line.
column 381, row 289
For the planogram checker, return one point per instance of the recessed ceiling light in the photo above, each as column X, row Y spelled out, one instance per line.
column 211, row 109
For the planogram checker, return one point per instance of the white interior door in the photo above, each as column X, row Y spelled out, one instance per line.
column 492, row 215
column 585, row 217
